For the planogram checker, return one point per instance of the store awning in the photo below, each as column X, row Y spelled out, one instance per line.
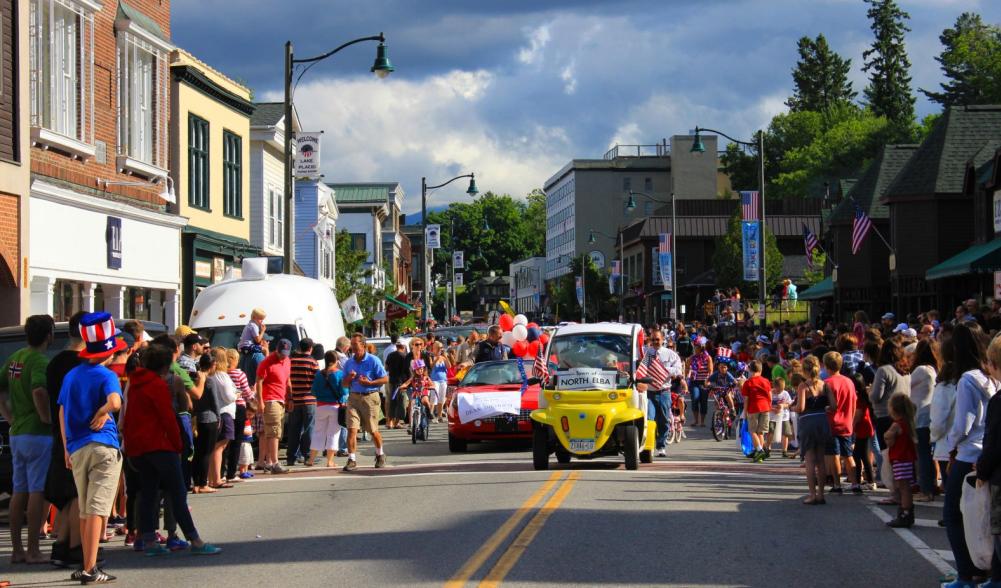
column 979, row 259
column 400, row 303
column 822, row 289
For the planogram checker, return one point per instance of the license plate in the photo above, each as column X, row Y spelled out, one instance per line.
column 582, row 445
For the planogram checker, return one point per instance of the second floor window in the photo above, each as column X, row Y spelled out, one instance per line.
column 358, row 241
column 62, row 68
column 142, row 101
column 198, row 162
column 232, row 174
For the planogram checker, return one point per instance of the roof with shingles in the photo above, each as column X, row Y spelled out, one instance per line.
column 714, row 226
column 939, row 165
column 868, row 190
column 267, row 114
column 374, row 192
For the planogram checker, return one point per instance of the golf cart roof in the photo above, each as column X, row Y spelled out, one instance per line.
column 610, row 328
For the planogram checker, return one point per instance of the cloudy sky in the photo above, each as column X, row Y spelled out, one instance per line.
column 512, row 90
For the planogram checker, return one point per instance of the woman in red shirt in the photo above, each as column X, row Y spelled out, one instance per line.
column 153, row 448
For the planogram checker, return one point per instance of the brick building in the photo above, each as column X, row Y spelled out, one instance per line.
column 100, row 235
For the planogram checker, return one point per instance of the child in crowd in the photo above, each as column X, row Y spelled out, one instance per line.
column 778, row 420
column 253, row 345
column 901, row 439
column 864, row 430
column 246, row 447
column 419, row 384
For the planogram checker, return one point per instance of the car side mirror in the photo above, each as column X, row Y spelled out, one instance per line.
column 534, row 381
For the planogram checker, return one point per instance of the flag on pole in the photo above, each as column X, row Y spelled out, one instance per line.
column 539, row 368
column 860, row 227
column 749, row 210
column 616, row 274
column 352, row 312
column 811, row 243
column 580, row 291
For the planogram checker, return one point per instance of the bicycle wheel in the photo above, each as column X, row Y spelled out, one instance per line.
column 415, row 423
column 719, row 426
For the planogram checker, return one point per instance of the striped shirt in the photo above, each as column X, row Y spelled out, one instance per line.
column 304, row 368
column 242, row 385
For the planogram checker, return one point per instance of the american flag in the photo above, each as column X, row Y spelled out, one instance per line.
column 665, row 243
column 811, row 243
column 860, row 228
column 539, row 368
column 724, row 352
column 651, row 367
column 749, row 206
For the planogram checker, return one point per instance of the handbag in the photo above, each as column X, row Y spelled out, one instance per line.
column 342, row 417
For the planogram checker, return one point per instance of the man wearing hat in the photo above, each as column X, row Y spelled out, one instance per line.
column 89, row 394
column 887, row 324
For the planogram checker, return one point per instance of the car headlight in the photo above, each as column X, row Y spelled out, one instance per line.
column 613, row 395
column 557, row 396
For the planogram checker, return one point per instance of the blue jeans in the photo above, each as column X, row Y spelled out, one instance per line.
column 659, row 410
column 161, row 470
column 926, row 465
column 187, row 447
column 300, row 428
column 700, row 399
column 248, row 363
column 344, row 437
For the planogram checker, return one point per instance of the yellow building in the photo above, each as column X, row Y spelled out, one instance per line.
column 210, row 166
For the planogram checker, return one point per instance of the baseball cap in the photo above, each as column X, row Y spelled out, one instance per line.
column 284, row 347
column 764, row 339
column 889, row 316
column 194, row 338
column 900, row 328
column 183, row 331
column 910, row 333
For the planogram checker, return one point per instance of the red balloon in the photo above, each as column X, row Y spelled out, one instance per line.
column 533, row 348
column 530, row 325
column 520, row 348
column 506, row 321
column 544, row 338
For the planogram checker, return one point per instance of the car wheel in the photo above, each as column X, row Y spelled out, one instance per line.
column 562, row 455
column 456, row 445
column 540, row 447
column 631, row 446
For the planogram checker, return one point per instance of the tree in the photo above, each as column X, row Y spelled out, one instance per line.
column 728, row 260
column 820, row 77
column 812, row 276
column 889, row 91
column 353, row 277
column 601, row 305
column 971, row 62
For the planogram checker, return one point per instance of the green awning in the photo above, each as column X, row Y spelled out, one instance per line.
column 822, row 289
column 400, row 303
column 979, row 259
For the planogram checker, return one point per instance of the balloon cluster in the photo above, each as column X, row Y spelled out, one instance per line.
column 524, row 338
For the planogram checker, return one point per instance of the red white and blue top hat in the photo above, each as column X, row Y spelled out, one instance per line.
column 100, row 336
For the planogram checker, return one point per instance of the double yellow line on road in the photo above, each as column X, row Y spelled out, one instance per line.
column 514, row 551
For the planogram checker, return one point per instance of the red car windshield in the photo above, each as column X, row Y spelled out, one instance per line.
column 493, row 373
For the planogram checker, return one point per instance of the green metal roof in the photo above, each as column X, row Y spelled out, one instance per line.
column 375, row 193
column 400, row 303
column 822, row 289
column 979, row 259
column 142, row 21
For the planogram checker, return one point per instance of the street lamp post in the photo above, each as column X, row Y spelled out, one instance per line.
column 472, row 191
column 698, row 147
column 622, row 265
column 381, row 68
column 631, row 206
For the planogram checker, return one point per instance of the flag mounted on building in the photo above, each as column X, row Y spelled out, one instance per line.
column 352, row 312
column 861, row 226
column 458, row 260
column 751, row 241
column 811, row 244
column 580, row 291
column 615, row 275
column 664, row 253
column 749, row 209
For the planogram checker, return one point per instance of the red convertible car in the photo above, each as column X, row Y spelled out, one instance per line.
column 487, row 377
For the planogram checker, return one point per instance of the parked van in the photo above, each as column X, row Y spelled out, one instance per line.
column 297, row 307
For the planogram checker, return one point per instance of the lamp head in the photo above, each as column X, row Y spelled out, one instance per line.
column 590, row 238
column 631, row 203
column 472, row 191
column 382, row 66
column 697, row 146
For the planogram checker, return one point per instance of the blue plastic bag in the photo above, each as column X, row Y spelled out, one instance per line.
column 746, row 443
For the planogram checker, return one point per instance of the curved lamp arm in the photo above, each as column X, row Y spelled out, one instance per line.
column 738, row 141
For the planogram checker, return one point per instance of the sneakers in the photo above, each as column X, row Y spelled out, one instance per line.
column 836, row 490
column 177, row 544
column 342, row 453
column 206, row 549
column 380, row 461
column 857, row 490
column 246, row 475
column 277, row 469
column 661, row 453
column 351, row 466
column 903, row 520
column 138, row 544
column 130, row 539
column 155, row 550
column 95, row 576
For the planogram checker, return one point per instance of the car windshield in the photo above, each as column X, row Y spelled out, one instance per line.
column 494, row 373
column 591, row 350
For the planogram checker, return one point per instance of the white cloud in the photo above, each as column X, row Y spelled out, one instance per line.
column 569, row 80
column 538, row 38
column 400, row 130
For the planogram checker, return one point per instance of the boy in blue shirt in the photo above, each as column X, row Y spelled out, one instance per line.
column 89, row 394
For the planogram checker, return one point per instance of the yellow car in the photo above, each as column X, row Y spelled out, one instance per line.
column 589, row 406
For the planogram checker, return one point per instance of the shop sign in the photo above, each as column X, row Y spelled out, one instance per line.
column 218, row 269
column 203, row 269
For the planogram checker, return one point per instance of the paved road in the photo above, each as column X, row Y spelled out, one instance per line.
column 702, row 517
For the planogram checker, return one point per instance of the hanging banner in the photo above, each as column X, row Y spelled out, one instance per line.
column 352, row 312
column 615, row 275
column 113, row 238
column 458, row 260
column 307, row 155
column 664, row 253
column 655, row 266
column 458, row 279
column 432, row 236
column 752, row 250
column 580, row 291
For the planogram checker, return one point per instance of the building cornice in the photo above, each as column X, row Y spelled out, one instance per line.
column 190, row 76
column 53, row 193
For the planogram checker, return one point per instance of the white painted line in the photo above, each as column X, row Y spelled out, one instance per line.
column 946, row 554
column 932, row 555
column 403, row 474
column 929, row 523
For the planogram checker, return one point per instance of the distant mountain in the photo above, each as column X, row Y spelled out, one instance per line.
column 415, row 218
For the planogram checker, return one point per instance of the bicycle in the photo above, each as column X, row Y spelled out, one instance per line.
column 420, row 418
column 675, row 427
column 723, row 417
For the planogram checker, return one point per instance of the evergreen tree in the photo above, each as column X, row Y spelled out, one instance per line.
column 820, row 77
column 971, row 62
column 886, row 62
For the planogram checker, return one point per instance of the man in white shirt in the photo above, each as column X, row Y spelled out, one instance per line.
column 659, row 392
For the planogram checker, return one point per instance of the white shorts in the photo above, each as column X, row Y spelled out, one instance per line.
column 246, row 454
column 438, row 391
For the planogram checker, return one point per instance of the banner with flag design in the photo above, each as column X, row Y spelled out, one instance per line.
column 664, row 253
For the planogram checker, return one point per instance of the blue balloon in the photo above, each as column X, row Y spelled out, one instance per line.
column 534, row 333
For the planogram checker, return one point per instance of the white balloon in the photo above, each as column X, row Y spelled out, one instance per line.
column 520, row 332
column 520, row 319
column 508, row 338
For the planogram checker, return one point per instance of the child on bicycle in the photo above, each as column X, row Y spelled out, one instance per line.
column 419, row 384
column 723, row 383
column 679, row 387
